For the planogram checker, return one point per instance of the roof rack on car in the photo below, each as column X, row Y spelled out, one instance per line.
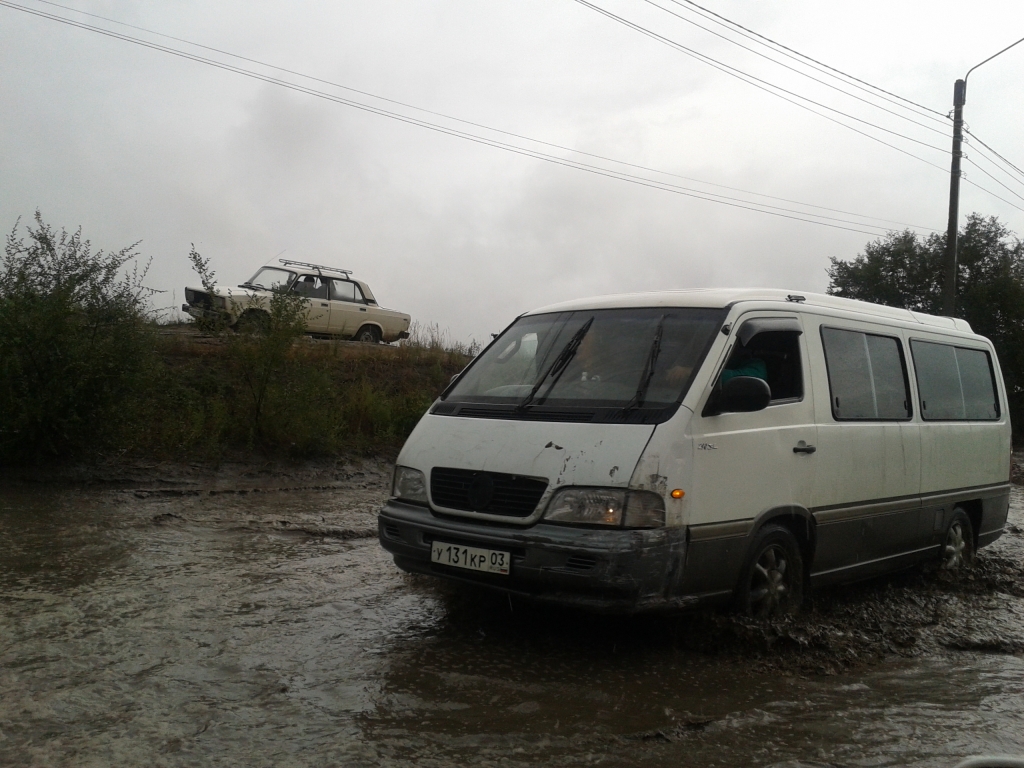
column 318, row 267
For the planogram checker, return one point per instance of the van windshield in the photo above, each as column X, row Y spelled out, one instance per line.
column 617, row 358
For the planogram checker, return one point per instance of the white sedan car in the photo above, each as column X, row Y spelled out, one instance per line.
column 337, row 305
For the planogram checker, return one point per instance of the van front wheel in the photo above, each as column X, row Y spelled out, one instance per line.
column 772, row 581
column 958, row 546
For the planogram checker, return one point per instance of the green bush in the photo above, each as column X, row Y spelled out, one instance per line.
column 73, row 343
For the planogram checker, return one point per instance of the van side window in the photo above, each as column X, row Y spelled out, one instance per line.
column 867, row 377
column 954, row 383
column 777, row 354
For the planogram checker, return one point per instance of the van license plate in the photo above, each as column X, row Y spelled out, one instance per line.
column 470, row 558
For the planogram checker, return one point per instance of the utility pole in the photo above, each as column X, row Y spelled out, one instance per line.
column 949, row 292
column 959, row 99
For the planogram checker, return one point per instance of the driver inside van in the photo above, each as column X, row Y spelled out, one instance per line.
column 742, row 362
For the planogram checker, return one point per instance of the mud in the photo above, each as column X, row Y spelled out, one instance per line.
column 246, row 616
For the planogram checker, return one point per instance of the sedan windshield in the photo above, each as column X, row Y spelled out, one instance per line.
column 605, row 358
column 270, row 278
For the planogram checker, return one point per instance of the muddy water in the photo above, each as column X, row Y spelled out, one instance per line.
column 147, row 627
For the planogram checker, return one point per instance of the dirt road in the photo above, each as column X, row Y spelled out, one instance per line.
column 250, row 618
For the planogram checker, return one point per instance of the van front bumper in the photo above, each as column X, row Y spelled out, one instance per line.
column 606, row 570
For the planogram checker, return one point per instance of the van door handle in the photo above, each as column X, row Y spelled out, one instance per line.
column 324, row 305
column 804, row 449
column 362, row 309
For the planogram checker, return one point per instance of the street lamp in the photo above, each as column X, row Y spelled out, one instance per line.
column 959, row 99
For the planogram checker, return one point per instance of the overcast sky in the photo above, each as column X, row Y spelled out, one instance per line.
column 134, row 144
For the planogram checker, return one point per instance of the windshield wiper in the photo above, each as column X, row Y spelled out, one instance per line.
column 558, row 367
column 649, row 368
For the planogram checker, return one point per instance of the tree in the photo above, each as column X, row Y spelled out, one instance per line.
column 905, row 270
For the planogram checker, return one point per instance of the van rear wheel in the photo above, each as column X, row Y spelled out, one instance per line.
column 772, row 581
column 958, row 546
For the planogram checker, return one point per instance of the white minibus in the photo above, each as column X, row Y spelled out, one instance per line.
column 658, row 450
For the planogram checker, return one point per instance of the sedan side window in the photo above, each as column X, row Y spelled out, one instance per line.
column 345, row 290
column 310, row 286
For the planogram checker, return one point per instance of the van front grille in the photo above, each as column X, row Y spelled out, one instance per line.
column 493, row 493
column 580, row 562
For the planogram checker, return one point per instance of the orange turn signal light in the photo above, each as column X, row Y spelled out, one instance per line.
column 678, row 493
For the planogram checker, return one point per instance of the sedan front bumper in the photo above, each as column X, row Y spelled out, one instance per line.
column 612, row 570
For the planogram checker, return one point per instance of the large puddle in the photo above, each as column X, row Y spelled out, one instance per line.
column 156, row 628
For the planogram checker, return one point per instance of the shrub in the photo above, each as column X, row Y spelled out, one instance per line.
column 72, row 342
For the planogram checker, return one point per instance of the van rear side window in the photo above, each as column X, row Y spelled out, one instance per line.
column 867, row 376
column 954, row 383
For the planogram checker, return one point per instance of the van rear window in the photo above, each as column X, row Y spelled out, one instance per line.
column 867, row 376
column 954, row 383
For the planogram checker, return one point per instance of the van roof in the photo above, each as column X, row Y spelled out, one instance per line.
column 725, row 297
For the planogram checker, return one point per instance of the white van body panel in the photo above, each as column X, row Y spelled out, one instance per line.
column 859, row 461
column 744, row 462
column 667, row 464
column 559, row 453
column 862, row 495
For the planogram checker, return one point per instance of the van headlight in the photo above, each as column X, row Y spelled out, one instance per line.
column 607, row 506
column 409, row 485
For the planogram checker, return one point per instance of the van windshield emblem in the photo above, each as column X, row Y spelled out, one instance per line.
column 480, row 492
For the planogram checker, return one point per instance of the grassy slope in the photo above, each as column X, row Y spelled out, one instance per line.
column 324, row 399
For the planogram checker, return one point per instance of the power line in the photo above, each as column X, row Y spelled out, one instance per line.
column 980, row 153
column 481, row 125
column 723, row 21
column 651, row 183
column 748, row 78
column 986, row 146
column 608, row 173
column 798, row 71
column 701, row 194
column 708, row 59
column 751, row 34
column 997, row 197
column 741, row 75
column 997, row 181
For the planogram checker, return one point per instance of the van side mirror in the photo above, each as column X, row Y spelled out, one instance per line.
column 741, row 394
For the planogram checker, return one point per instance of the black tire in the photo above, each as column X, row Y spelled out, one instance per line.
column 253, row 321
column 958, row 543
column 368, row 334
column 772, row 580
